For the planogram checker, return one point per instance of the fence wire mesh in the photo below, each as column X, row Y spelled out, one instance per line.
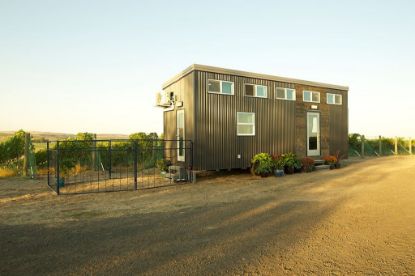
column 117, row 165
column 360, row 145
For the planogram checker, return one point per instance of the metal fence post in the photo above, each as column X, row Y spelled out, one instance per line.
column 48, row 160
column 410, row 145
column 380, row 145
column 135, row 164
column 26, row 154
column 396, row 145
column 362, row 139
column 57, row 168
column 109, row 159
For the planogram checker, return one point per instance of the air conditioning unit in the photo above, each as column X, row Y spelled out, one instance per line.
column 178, row 173
column 163, row 99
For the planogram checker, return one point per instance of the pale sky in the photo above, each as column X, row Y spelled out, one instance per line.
column 71, row 66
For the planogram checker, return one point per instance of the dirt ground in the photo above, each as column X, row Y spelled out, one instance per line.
column 356, row 220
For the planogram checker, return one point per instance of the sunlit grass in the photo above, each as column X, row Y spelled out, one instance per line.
column 7, row 172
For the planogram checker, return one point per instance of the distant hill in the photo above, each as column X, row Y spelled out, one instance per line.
column 53, row 136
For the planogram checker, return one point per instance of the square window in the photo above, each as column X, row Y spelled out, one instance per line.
column 315, row 97
column 227, row 87
column 245, row 124
column 280, row 93
column 214, row 86
column 307, row 96
column 249, row 90
column 330, row 98
column 290, row 94
column 261, row 91
column 338, row 99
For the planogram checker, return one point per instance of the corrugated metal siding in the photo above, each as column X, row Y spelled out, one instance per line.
column 216, row 143
column 184, row 91
column 210, row 121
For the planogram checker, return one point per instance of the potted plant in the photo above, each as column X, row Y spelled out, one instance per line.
column 308, row 164
column 330, row 160
column 262, row 164
column 279, row 165
column 290, row 161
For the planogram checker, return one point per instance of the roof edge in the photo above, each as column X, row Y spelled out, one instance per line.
column 225, row 71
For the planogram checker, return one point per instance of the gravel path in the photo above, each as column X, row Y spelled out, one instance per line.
column 356, row 220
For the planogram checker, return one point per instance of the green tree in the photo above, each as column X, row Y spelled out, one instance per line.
column 13, row 147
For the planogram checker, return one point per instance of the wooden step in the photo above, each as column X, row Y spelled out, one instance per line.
column 318, row 162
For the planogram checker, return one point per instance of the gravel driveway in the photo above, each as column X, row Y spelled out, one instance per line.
column 356, row 220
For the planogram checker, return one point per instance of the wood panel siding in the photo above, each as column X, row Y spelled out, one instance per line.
column 339, row 127
column 333, row 121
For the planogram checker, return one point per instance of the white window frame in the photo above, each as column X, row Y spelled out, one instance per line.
column 180, row 115
column 220, row 87
column 245, row 124
column 285, row 93
column 311, row 96
column 256, row 91
column 334, row 97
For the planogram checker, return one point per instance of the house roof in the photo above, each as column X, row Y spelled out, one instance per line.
column 225, row 71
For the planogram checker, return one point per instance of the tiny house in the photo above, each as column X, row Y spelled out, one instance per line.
column 231, row 115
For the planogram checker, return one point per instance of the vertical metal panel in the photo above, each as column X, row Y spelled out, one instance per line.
column 183, row 89
column 216, row 142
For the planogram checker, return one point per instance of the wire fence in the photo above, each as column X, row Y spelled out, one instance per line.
column 361, row 146
column 117, row 165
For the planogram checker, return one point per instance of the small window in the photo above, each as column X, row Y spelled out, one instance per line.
column 220, row 87
column 245, row 124
column 334, row 99
column 254, row 90
column 285, row 93
column 249, row 90
column 311, row 96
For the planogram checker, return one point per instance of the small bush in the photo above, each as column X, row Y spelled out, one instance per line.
column 41, row 158
column 163, row 164
column 308, row 164
column 330, row 159
column 291, row 163
column 262, row 164
column 278, row 161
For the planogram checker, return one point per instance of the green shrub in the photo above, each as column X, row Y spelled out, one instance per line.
column 262, row 164
column 13, row 147
column 291, row 163
column 41, row 158
column 163, row 164
column 279, row 161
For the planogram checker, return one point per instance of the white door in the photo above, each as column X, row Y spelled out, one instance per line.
column 180, row 135
column 313, row 134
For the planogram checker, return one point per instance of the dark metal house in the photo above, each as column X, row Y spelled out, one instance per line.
column 232, row 115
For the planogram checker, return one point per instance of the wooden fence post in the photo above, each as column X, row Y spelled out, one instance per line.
column 380, row 144
column 362, row 139
column 396, row 145
column 26, row 154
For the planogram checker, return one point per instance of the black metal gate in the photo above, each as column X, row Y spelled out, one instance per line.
column 91, row 166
